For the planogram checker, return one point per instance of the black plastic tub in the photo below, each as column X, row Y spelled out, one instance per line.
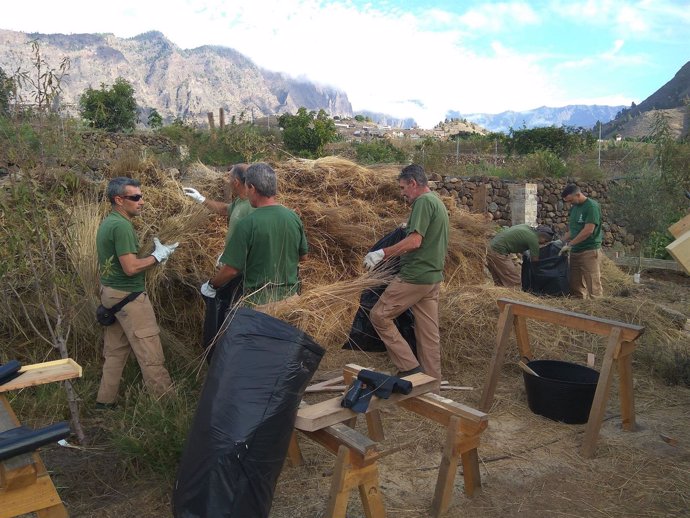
column 563, row 391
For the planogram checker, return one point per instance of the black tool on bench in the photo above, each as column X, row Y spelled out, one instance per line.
column 16, row 441
column 9, row 371
column 370, row 383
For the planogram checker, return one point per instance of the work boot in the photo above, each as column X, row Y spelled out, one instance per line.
column 402, row 374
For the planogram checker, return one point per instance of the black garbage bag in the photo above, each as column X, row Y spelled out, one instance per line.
column 549, row 276
column 244, row 420
column 363, row 336
column 216, row 309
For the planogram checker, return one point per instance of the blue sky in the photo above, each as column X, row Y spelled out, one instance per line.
column 417, row 58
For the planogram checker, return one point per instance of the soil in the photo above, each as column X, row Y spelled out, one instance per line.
column 529, row 465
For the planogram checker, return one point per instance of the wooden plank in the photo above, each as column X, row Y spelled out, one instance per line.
column 680, row 227
column 680, row 251
column 370, row 494
column 40, row 373
column 440, row 409
column 596, row 414
column 325, row 384
column 24, row 500
column 329, row 412
column 522, row 336
column 338, row 496
column 337, row 435
column 504, row 328
column 600, row 326
column 375, row 426
column 625, row 379
column 294, row 452
column 470, row 470
column 443, row 492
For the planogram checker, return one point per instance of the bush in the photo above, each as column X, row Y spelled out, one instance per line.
column 542, row 164
column 379, row 152
column 561, row 141
column 306, row 133
column 112, row 109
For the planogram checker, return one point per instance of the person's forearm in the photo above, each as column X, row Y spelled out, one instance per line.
column 218, row 207
column 133, row 265
column 223, row 276
column 411, row 242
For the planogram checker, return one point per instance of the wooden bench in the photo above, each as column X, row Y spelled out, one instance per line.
column 25, row 485
column 357, row 455
column 620, row 346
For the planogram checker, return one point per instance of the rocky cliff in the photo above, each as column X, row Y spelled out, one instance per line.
column 185, row 83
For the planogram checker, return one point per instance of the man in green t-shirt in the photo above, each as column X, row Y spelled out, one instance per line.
column 583, row 241
column 265, row 247
column 122, row 272
column 422, row 259
column 514, row 240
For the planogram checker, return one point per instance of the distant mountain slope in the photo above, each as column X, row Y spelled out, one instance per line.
column 177, row 82
column 576, row 115
column 672, row 101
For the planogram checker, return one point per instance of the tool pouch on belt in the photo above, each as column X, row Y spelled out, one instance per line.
column 106, row 316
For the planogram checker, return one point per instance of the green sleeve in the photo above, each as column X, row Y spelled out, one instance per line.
column 236, row 249
column 125, row 240
column 593, row 214
column 303, row 246
column 533, row 246
column 420, row 217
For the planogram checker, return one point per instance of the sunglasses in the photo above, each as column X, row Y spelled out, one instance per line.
column 132, row 197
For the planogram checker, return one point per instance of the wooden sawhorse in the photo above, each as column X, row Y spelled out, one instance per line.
column 619, row 349
column 357, row 454
column 25, row 485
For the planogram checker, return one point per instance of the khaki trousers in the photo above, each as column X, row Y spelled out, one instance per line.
column 135, row 330
column 503, row 269
column 585, row 274
column 423, row 299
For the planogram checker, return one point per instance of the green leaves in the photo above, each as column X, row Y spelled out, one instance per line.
column 306, row 133
column 112, row 109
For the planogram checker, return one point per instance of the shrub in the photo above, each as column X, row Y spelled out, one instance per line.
column 542, row 164
column 306, row 133
column 379, row 152
column 112, row 109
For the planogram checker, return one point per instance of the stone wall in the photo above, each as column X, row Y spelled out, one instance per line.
column 509, row 202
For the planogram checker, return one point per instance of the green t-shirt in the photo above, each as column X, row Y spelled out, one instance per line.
column 587, row 212
column 429, row 218
column 237, row 210
column 116, row 237
column 515, row 240
column 266, row 246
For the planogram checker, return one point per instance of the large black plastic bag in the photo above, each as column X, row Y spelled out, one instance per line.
column 238, row 440
column 549, row 276
column 363, row 336
column 216, row 309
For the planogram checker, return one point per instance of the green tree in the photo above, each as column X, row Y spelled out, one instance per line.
column 306, row 133
column 379, row 152
column 155, row 120
column 112, row 109
column 562, row 141
column 5, row 92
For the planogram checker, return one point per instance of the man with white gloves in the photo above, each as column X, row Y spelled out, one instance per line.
column 266, row 246
column 422, row 259
column 237, row 209
column 123, row 273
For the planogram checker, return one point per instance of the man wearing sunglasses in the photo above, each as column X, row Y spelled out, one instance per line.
column 122, row 273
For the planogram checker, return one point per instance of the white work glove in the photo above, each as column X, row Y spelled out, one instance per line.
column 207, row 291
column 565, row 250
column 373, row 258
column 194, row 194
column 162, row 252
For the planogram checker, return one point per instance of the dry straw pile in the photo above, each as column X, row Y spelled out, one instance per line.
column 345, row 208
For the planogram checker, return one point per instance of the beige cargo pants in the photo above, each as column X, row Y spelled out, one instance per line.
column 585, row 274
column 135, row 330
column 423, row 300
column 503, row 269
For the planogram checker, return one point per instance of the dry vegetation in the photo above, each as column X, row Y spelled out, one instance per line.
column 529, row 464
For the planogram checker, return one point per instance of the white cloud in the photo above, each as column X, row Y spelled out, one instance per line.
column 496, row 17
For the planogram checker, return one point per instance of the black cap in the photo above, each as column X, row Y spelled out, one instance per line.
column 544, row 229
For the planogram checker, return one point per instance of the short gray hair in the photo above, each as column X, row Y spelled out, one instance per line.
column 414, row 172
column 263, row 178
column 239, row 171
column 116, row 187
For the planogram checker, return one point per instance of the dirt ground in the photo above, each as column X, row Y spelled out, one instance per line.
column 530, row 465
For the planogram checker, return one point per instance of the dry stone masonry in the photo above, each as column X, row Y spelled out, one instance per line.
column 510, row 202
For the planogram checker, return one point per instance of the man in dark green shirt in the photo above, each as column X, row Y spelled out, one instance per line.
column 514, row 240
column 422, row 258
column 266, row 246
column 123, row 272
column 583, row 241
